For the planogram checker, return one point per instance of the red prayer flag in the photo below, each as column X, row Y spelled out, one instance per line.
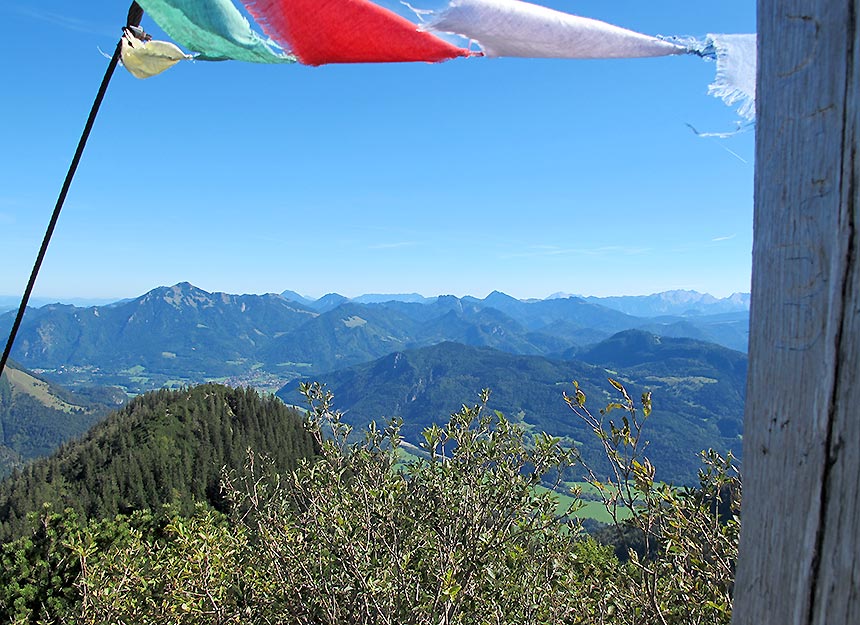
column 347, row 31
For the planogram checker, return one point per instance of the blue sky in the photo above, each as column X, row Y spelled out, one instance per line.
column 528, row 176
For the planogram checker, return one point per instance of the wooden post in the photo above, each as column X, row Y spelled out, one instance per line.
column 800, row 538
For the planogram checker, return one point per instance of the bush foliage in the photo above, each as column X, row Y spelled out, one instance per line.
column 456, row 532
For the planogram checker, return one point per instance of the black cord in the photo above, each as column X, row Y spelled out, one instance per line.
column 135, row 13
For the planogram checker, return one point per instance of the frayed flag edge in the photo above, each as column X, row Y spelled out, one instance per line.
column 724, row 87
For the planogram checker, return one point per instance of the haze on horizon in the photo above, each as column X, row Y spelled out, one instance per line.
column 8, row 301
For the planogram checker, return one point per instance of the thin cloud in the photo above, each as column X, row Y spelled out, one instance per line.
column 267, row 238
column 392, row 246
column 725, row 238
column 539, row 251
column 63, row 21
column 611, row 250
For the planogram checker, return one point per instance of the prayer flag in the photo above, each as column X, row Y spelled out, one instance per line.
column 215, row 29
column 317, row 32
column 514, row 28
column 348, row 31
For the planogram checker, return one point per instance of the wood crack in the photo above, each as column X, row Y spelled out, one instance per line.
column 847, row 189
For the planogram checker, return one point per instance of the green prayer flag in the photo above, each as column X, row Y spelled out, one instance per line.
column 215, row 29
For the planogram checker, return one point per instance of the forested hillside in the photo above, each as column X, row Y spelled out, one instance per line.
column 37, row 416
column 167, row 446
column 170, row 335
column 698, row 392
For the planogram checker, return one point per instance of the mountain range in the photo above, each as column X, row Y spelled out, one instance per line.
column 185, row 335
column 678, row 302
column 418, row 358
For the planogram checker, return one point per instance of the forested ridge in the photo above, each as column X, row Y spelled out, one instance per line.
column 164, row 447
column 698, row 389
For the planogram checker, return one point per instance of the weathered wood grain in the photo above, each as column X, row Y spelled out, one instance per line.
column 800, row 538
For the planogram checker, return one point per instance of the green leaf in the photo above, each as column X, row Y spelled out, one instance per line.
column 646, row 404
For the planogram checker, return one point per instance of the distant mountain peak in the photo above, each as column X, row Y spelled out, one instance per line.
column 381, row 298
column 181, row 295
column 498, row 295
column 681, row 302
column 451, row 302
column 296, row 297
column 328, row 302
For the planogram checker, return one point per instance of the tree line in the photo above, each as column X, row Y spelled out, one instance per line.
column 164, row 447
